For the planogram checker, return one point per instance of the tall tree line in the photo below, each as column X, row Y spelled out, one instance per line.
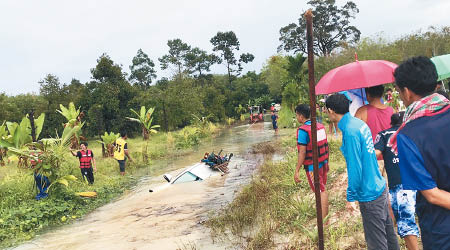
column 107, row 98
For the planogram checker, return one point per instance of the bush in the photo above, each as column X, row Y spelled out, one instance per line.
column 188, row 136
column 286, row 118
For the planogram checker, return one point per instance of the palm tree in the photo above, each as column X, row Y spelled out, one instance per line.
column 145, row 119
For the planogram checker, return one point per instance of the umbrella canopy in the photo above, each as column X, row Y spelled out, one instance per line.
column 442, row 64
column 355, row 75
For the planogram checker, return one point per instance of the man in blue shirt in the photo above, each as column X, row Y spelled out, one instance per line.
column 365, row 183
column 422, row 143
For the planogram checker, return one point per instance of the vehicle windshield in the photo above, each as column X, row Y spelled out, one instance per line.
column 187, row 177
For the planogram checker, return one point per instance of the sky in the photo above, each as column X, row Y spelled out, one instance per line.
column 65, row 38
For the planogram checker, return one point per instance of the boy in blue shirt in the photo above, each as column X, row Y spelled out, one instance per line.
column 304, row 147
column 365, row 183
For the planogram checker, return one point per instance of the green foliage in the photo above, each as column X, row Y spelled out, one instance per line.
column 109, row 139
column 273, row 204
column 70, row 113
column 145, row 119
column 177, row 56
column 226, row 43
column 331, row 27
column 286, row 117
column 107, row 71
column 187, row 137
column 240, row 110
column 106, row 101
column 15, row 107
column 197, row 60
column 107, row 143
column 22, row 217
column 20, row 134
column 191, row 136
column 142, row 70
column 275, row 74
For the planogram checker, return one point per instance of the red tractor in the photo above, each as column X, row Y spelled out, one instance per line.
column 256, row 114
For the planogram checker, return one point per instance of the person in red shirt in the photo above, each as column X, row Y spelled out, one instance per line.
column 375, row 114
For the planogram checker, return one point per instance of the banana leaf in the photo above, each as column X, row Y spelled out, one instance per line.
column 39, row 122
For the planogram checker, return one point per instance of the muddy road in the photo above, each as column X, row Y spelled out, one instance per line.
column 172, row 216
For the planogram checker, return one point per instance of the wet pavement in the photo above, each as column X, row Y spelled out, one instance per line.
column 172, row 216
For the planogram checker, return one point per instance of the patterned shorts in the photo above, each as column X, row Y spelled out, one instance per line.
column 403, row 204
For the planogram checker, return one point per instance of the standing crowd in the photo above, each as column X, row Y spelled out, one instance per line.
column 87, row 160
column 414, row 148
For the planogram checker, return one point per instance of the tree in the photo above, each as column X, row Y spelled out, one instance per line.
column 197, row 60
column 73, row 90
column 49, row 86
column 227, row 43
column 177, row 55
column 106, row 99
column 54, row 94
column 275, row 74
column 142, row 70
column 331, row 26
column 107, row 71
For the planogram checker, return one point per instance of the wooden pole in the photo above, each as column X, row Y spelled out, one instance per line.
column 33, row 127
column 312, row 105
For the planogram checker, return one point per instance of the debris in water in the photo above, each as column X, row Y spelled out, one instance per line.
column 263, row 148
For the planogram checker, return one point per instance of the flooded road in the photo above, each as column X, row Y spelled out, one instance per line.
column 171, row 217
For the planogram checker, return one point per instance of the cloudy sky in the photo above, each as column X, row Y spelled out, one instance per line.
column 65, row 38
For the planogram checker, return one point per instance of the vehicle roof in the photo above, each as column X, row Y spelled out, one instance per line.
column 202, row 170
column 199, row 169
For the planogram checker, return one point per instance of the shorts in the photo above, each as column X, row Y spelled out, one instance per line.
column 274, row 125
column 121, row 165
column 323, row 171
column 403, row 203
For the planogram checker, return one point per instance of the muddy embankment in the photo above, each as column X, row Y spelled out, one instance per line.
column 171, row 217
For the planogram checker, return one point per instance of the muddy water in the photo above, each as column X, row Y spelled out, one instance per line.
column 172, row 216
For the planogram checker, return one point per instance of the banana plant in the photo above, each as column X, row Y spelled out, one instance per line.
column 3, row 134
column 240, row 110
column 45, row 157
column 70, row 113
column 73, row 116
column 20, row 133
column 144, row 117
column 107, row 143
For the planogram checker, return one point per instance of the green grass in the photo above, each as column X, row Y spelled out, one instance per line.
column 22, row 217
column 273, row 211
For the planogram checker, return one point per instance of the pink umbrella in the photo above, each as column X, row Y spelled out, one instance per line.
column 355, row 75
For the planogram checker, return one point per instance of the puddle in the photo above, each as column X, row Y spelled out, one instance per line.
column 172, row 216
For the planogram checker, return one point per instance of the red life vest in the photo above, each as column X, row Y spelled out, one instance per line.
column 322, row 144
column 85, row 160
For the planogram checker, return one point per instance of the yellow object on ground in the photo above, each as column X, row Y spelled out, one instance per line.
column 87, row 194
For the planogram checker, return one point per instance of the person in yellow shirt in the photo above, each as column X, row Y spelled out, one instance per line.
column 121, row 150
